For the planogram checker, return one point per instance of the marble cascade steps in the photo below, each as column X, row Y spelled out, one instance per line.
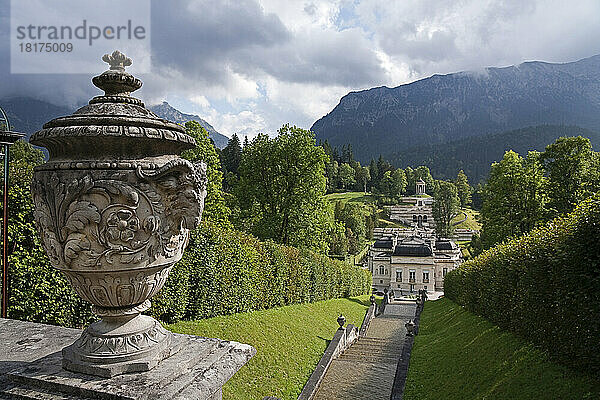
column 371, row 350
column 367, row 369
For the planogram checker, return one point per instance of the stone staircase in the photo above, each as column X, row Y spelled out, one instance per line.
column 366, row 370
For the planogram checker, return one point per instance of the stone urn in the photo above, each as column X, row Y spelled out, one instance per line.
column 113, row 206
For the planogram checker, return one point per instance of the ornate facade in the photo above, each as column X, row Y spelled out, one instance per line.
column 415, row 262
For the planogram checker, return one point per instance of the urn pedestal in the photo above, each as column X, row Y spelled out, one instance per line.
column 114, row 205
column 31, row 368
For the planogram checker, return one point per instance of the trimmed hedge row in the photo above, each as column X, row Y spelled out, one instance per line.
column 544, row 286
column 225, row 271
column 222, row 272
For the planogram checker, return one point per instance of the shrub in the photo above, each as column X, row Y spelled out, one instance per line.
column 222, row 272
column 40, row 293
column 225, row 271
column 544, row 286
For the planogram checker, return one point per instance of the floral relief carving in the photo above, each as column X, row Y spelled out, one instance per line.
column 122, row 225
column 127, row 219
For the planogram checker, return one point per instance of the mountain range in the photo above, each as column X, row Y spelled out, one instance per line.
column 164, row 110
column 28, row 115
column 475, row 154
column 445, row 108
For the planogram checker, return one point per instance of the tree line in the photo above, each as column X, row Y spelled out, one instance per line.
column 223, row 269
column 475, row 154
column 276, row 189
column 522, row 193
column 344, row 173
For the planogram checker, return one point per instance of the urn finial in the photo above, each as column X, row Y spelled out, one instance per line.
column 117, row 60
column 116, row 82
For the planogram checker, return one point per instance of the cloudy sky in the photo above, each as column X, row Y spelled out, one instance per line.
column 249, row 66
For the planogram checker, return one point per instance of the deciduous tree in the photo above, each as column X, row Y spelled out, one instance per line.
column 567, row 163
column 281, row 189
column 398, row 186
column 346, row 176
column 362, row 177
column 464, row 189
column 445, row 206
column 513, row 198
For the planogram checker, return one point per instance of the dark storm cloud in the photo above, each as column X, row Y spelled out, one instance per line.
column 65, row 89
column 199, row 38
column 192, row 42
column 199, row 44
column 345, row 58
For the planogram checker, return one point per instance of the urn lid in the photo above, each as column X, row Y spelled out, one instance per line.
column 114, row 125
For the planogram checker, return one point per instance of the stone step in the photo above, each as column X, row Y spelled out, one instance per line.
column 372, row 342
column 380, row 341
column 361, row 349
column 375, row 358
column 373, row 350
column 357, row 381
column 22, row 393
column 369, row 339
column 386, row 346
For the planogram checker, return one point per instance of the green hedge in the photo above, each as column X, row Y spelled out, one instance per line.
column 544, row 286
column 225, row 271
column 222, row 272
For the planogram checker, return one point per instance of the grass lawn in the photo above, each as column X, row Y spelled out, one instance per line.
column 458, row 355
column 290, row 341
column 352, row 197
column 471, row 221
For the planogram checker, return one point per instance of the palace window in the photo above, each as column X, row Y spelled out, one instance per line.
column 424, row 218
column 425, row 276
column 399, row 275
column 411, row 275
column 444, row 272
column 381, row 270
column 414, row 218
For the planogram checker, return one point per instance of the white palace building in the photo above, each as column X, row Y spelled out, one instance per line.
column 417, row 261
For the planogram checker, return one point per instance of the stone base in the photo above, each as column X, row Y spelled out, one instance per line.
column 73, row 361
column 108, row 349
column 31, row 368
